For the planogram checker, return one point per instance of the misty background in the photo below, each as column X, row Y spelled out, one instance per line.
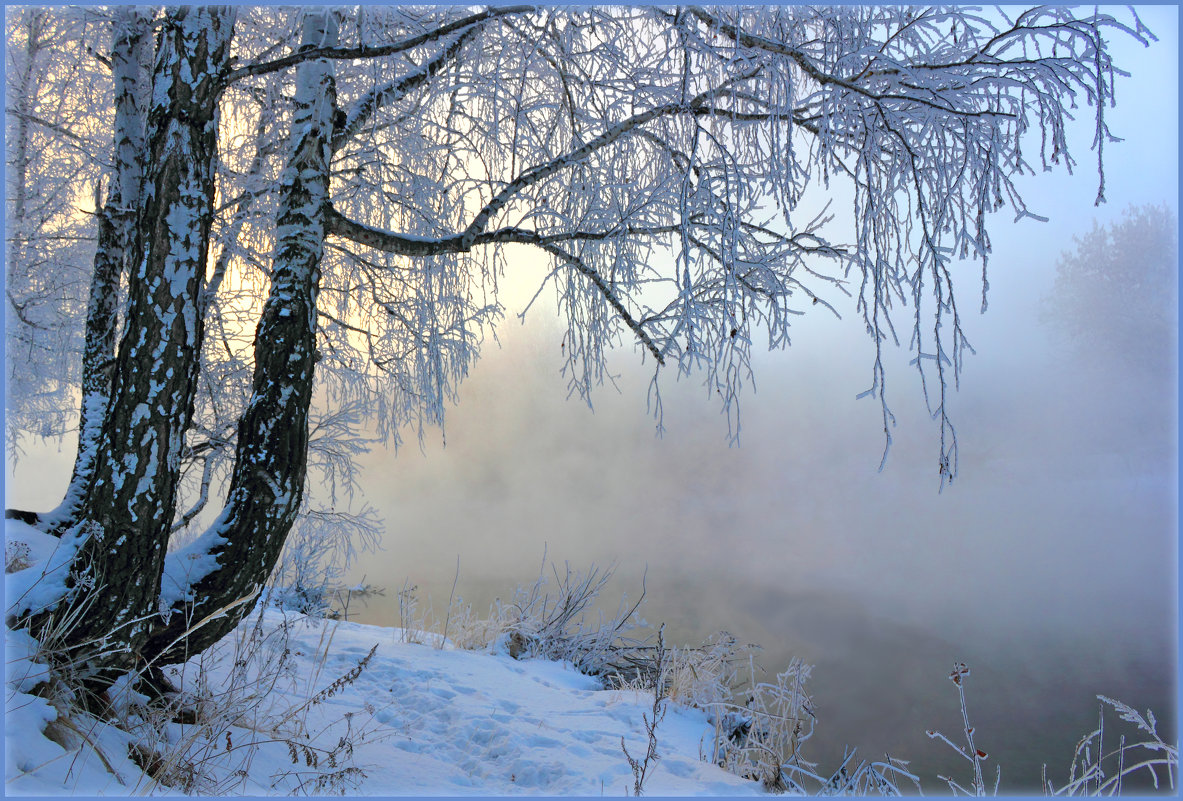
column 1049, row 565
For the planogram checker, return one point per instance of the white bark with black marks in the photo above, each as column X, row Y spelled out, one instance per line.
column 125, row 518
column 130, row 59
column 240, row 550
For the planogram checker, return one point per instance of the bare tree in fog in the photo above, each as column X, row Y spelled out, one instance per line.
column 1114, row 301
column 1113, row 312
column 355, row 199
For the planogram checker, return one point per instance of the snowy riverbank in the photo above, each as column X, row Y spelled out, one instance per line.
column 290, row 704
column 418, row 719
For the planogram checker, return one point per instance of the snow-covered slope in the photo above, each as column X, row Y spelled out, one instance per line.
column 418, row 719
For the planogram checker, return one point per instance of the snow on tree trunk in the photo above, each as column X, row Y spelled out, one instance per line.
column 126, row 515
column 129, row 52
column 237, row 554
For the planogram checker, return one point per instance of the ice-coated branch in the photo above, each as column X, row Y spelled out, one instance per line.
column 807, row 65
column 207, row 469
column 605, row 290
column 410, row 245
column 394, row 91
column 424, row 246
column 536, row 174
column 371, row 51
column 53, row 126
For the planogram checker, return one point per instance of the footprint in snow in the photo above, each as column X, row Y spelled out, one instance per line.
column 533, row 774
column 410, row 746
column 589, row 736
column 385, row 715
column 540, row 741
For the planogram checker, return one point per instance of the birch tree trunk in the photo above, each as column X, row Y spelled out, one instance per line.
column 130, row 62
column 125, row 517
column 18, row 176
column 235, row 557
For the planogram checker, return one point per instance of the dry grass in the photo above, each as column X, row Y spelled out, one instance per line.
column 16, row 556
column 1099, row 768
column 641, row 767
column 236, row 699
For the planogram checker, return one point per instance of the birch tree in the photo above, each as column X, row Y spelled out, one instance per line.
column 357, row 199
column 48, row 246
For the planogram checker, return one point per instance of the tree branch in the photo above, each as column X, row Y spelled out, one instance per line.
column 420, row 246
column 396, row 90
column 53, row 126
column 404, row 245
column 202, row 499
column 599, row 283
column 19, row 308
column 824, row 78
column 369, row 51
column 537, row 174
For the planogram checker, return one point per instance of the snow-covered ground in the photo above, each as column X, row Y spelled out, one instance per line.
column 295, row 704
column 425, row 720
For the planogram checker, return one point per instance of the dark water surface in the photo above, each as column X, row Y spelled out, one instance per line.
column 878, row 685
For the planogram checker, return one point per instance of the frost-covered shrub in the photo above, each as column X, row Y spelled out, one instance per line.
column 319, row 549
column 313, row 600
column 707, row 675
column 16, row 556
column 759, row 738
column 559, row 623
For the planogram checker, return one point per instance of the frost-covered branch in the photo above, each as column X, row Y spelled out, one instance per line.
column 365, row 51
column 605, row 290
column 56, row 127
column 394, row 91
column 608, row 137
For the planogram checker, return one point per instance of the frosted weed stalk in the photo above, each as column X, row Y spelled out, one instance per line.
column 971, row 753
column 411, row 625
column 207, row 739
column 768, row 731
column 16, row 556
column 1105, row 772
column 1098, row 772
column 656, row 714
